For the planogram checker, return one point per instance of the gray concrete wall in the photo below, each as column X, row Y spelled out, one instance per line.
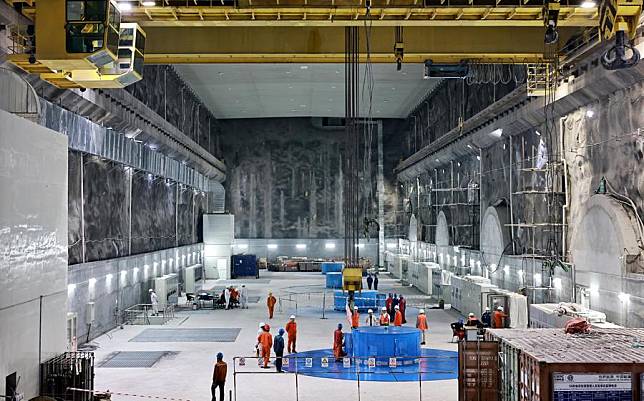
column 118, row 283
column 33, row 249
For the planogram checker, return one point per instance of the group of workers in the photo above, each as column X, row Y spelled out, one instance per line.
column 231, row 297
column 393, row 303
column 265, row 342
column 372, row 281
column 383, row 320
column 489, row 319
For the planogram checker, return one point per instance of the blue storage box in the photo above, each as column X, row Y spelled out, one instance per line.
column 334, row 280
column 364, row 300
column 332, row 267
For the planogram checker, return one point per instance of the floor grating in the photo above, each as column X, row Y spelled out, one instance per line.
column 132, row 359
column 224, row 335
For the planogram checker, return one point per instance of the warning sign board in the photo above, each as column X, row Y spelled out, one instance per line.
column 285, row 362
column 308, row 362
column 324, row 362
column 242, row 361
column 371, row 362
column 346, row 362
column 392, row 362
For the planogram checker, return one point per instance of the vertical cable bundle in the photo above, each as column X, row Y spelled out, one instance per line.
column 352, row 142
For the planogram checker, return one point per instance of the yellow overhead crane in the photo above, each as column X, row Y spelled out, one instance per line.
column 312, row 31
column 81, row 44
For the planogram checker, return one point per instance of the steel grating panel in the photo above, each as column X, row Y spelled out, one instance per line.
column 185, row 335
column 132, row 359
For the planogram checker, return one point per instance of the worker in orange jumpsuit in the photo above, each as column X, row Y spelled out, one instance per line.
column 398, row 321
column 389, row 304
column 338, row 343
column 355, row 318
column 265, row 341
column 291, row 329
column 270, row 302
column 384, row 317
column 498, row 318
column 421, row 324
column 402, row 302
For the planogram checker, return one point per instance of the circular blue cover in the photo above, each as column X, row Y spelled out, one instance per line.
column 434, row 365
column 384, row 343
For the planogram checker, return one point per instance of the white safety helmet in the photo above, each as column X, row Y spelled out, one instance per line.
column 422, row 311
column 487, row 308
column 397, row 307
column 355, row 308
column 261, row 325
column 500, row 308
column 370, row 311
column 470, row 315
column 292, row 317
column 384, row 309
column 150, row 290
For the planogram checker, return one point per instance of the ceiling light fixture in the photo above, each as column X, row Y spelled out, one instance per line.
column 124, row 6
column 304, row 67
column 148, row 3
column 497, row 133
column 588, row 4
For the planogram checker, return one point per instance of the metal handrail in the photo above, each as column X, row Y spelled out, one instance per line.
column 143, row 311
column 356, row 369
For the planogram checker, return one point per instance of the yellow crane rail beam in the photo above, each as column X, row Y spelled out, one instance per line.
column 311, row 44
column 262, row 13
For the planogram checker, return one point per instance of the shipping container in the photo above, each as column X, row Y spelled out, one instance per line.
column 549, row 365
column 244, row 266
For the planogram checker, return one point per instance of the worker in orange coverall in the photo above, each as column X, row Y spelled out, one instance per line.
column 338, row 342
column 421, row 324
column 270, row 302
column 398, row 321
column 355, row 318
column 498, row 319
column 291, row 329
column 266, row 342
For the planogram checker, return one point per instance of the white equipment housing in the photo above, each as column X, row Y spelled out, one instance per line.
column 167, row 289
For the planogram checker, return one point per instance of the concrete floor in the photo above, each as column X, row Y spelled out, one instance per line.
column 186, row 374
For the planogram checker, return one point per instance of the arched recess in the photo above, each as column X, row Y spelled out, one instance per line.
column 442, row 230
column 604, row 244
column 495, row 235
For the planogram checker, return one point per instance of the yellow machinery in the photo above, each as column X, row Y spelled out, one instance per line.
column 127, row 70
column 76, row 35
column 81, row 44
column 352, row 278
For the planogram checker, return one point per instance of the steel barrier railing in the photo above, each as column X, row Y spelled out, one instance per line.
column 143, row 314
column 358, row 367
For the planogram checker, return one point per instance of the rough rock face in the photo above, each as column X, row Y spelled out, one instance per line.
column 286, row 180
